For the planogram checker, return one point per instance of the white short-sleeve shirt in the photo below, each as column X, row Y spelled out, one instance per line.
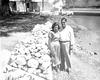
column 67, row 34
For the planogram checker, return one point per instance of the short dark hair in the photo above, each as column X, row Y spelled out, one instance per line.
column 55, row 24
column 63, row 19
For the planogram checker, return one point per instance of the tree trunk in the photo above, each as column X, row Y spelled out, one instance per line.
column 4, row 8
column 42, row 5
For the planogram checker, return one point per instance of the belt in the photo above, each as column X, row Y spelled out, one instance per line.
column 64, row 41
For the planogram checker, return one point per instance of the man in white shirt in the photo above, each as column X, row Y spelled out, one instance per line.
column 66, row 43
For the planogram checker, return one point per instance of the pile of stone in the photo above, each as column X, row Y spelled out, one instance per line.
column 30, row 59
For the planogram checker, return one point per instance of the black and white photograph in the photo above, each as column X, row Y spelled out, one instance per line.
column 49, row 39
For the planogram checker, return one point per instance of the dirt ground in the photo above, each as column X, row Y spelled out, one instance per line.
column 85, row 61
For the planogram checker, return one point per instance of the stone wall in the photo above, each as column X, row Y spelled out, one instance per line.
column 30, row 59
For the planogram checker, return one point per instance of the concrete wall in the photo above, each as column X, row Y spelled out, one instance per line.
column 21, row 7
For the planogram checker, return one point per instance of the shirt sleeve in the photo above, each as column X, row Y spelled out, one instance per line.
column 49, row 35
column 49, row 40
column 72, row 38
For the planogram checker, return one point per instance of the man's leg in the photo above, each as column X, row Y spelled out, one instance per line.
column 67, row 60
column 62, row 57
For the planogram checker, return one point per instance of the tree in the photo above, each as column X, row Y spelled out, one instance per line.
column 42, row 4
column 4, row 8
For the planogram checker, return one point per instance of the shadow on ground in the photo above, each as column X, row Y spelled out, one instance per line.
column 20, row 23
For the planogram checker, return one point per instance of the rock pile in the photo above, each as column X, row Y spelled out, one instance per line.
column 30, row 58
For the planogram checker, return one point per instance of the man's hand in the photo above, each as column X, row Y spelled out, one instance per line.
column 70, row 49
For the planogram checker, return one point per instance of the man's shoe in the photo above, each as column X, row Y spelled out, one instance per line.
column 68, row 70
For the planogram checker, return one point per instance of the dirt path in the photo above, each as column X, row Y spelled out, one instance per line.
column 83, row 70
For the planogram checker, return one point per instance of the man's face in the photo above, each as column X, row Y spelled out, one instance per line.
column 63, row 23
